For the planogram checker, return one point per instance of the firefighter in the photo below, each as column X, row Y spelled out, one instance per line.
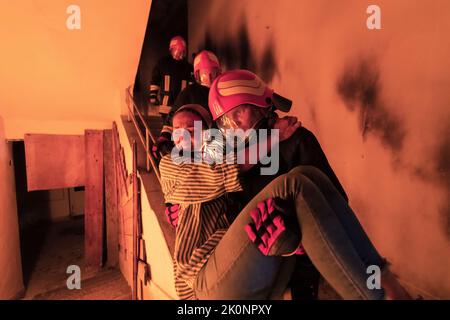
column 300, row 209
column 239, row 99
column 171, row 75
column 206, row 70
column 301, row 149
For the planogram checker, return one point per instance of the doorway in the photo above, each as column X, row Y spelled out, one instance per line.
column 51, row 228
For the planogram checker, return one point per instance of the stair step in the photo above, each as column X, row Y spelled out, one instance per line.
column 106, row 285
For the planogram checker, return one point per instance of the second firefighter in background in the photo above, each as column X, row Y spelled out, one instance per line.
column 171, row 74
column 206, row 70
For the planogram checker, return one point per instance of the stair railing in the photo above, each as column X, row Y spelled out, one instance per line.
column 146, row 137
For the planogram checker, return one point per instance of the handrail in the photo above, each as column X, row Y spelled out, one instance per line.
column 133, row 110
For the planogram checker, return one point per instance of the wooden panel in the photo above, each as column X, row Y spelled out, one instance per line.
column 54, row 161
column 112, row 227
column 94, row 198
column 125, row 208
column 126, row 234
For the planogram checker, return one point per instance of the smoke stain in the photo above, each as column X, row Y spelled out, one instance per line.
column 234, row 52
column 445, row 213
column 442, row 162
column 268, row 66
column 360, row 89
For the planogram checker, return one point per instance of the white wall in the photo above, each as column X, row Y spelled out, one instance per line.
column 61, row 81
column 321, row 54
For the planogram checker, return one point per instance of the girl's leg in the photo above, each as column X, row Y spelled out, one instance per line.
column 283, row 278
column 359, row 239
column 346, row 216
column 237, row 270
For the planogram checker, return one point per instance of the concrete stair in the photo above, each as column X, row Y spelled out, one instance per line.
column 106, row 285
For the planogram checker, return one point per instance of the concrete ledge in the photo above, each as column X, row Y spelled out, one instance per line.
column 151, row 186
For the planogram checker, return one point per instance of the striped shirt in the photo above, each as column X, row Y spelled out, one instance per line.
column 201, row 191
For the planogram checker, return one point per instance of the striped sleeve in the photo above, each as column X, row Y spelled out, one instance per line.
column 230, row 175
column 199, row 188
column 197, row 182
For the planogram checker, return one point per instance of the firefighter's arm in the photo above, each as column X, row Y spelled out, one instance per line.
column 286, row 127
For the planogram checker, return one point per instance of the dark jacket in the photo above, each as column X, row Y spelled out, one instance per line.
column 169, row 77
column 302, row 148
column 194, row 93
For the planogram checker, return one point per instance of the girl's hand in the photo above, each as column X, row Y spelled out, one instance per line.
column 172, row 214
column 287, row 126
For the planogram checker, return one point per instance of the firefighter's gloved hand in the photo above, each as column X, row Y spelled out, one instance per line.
column 172, row 214
column 287, row 126
column 273, row 229
column 163, row 145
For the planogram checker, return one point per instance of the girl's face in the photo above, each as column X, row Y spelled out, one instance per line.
column 183, row 127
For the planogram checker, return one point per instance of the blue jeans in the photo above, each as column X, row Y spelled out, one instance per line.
column 330, row 233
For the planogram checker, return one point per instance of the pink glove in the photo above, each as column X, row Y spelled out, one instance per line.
column 269, row 230
column 172, row 214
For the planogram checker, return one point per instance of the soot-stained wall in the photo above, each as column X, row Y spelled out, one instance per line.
column 377, row 100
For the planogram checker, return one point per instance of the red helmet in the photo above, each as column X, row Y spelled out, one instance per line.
column 177, row 47
column 235, row 88
column 206, row 68
column 206, row 60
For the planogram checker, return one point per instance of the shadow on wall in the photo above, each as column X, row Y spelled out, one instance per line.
column 360, row 88
column 234, row 52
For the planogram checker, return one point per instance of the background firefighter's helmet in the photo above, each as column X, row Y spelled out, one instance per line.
column 206, row 67
column 177, row 47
